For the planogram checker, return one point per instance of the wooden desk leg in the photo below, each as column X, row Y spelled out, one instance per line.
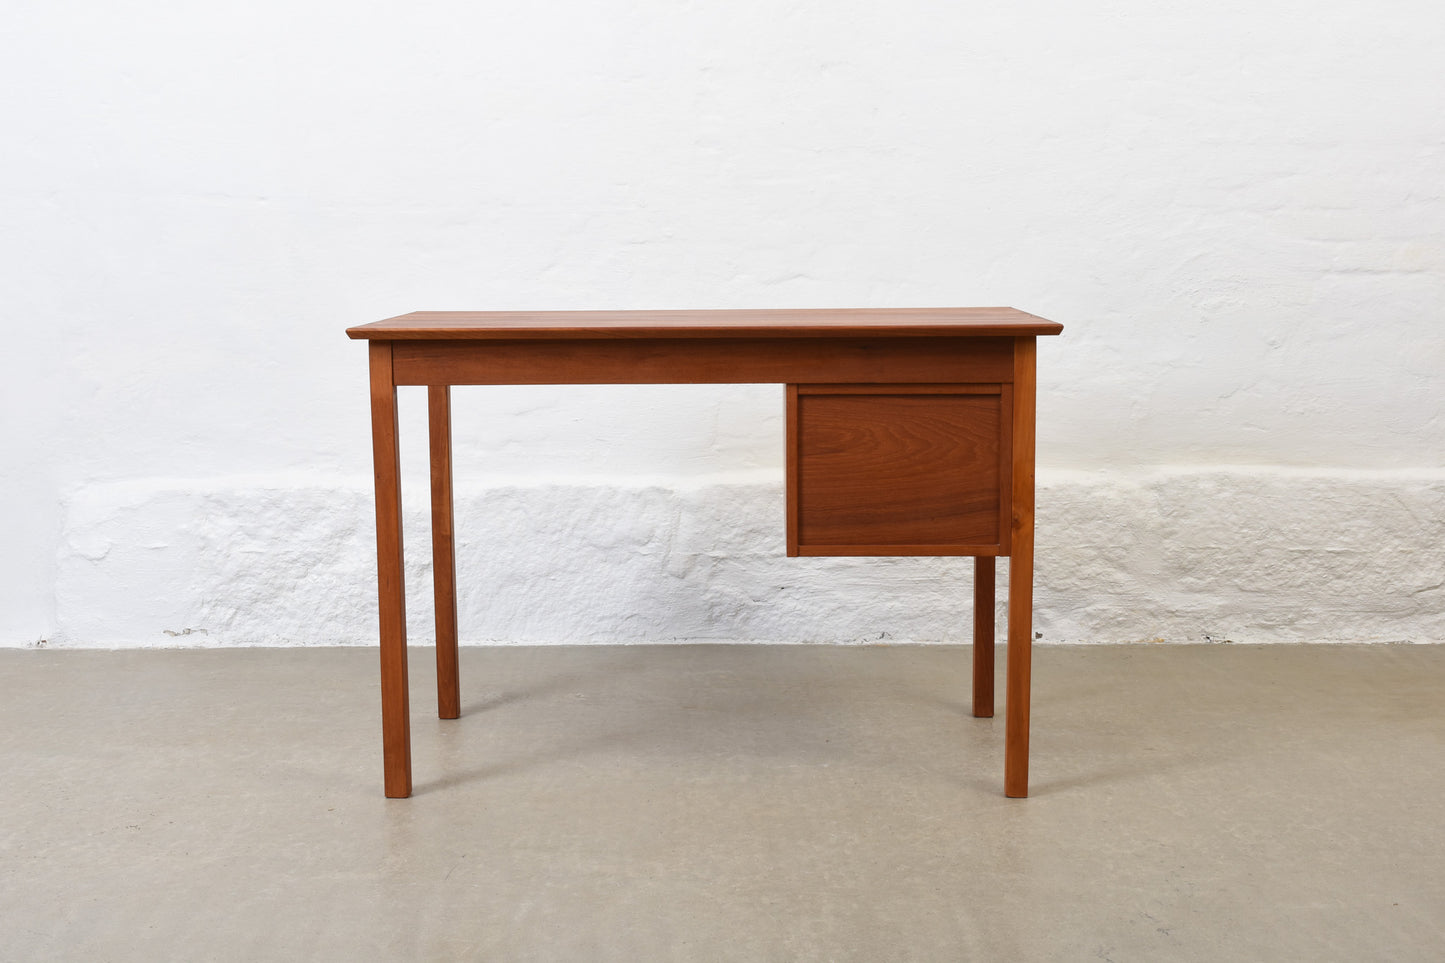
column 443, row 552
column 1020, row 659
column 1021, row 575
column 386, row 462
column 983, row 596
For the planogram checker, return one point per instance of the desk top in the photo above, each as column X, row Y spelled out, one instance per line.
column 752, row 323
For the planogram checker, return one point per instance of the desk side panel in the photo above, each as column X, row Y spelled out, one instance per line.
column 704, row 361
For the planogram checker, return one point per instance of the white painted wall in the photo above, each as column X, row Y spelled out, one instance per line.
column 1236, row 209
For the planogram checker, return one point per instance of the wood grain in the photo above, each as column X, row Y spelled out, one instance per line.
column 443, row 551
column 391, row 592
column 893, row 389
column 790, row 469
column 697, row 361
column 1021, row 575
column 766, row 323
column 903, row 471
column 983, row 602
column 918, row 549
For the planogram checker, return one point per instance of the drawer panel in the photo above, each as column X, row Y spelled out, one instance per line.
column 899, row 469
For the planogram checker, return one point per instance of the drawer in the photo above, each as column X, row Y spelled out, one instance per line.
column 909, row 469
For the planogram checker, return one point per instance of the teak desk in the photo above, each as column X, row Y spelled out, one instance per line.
column 909, row 432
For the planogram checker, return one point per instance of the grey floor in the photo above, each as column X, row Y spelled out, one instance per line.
column 725, row 803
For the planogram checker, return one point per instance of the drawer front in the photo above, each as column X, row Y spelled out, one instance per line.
column 899, row 469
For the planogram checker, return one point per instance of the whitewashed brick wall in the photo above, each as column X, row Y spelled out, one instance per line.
column 1235, row 209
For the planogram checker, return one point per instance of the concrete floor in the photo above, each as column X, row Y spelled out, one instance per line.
column 725, row 803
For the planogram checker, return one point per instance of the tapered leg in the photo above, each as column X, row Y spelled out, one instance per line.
column 443, row 552
column 395, row 712
column 1021, row 575
column 983, row 596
